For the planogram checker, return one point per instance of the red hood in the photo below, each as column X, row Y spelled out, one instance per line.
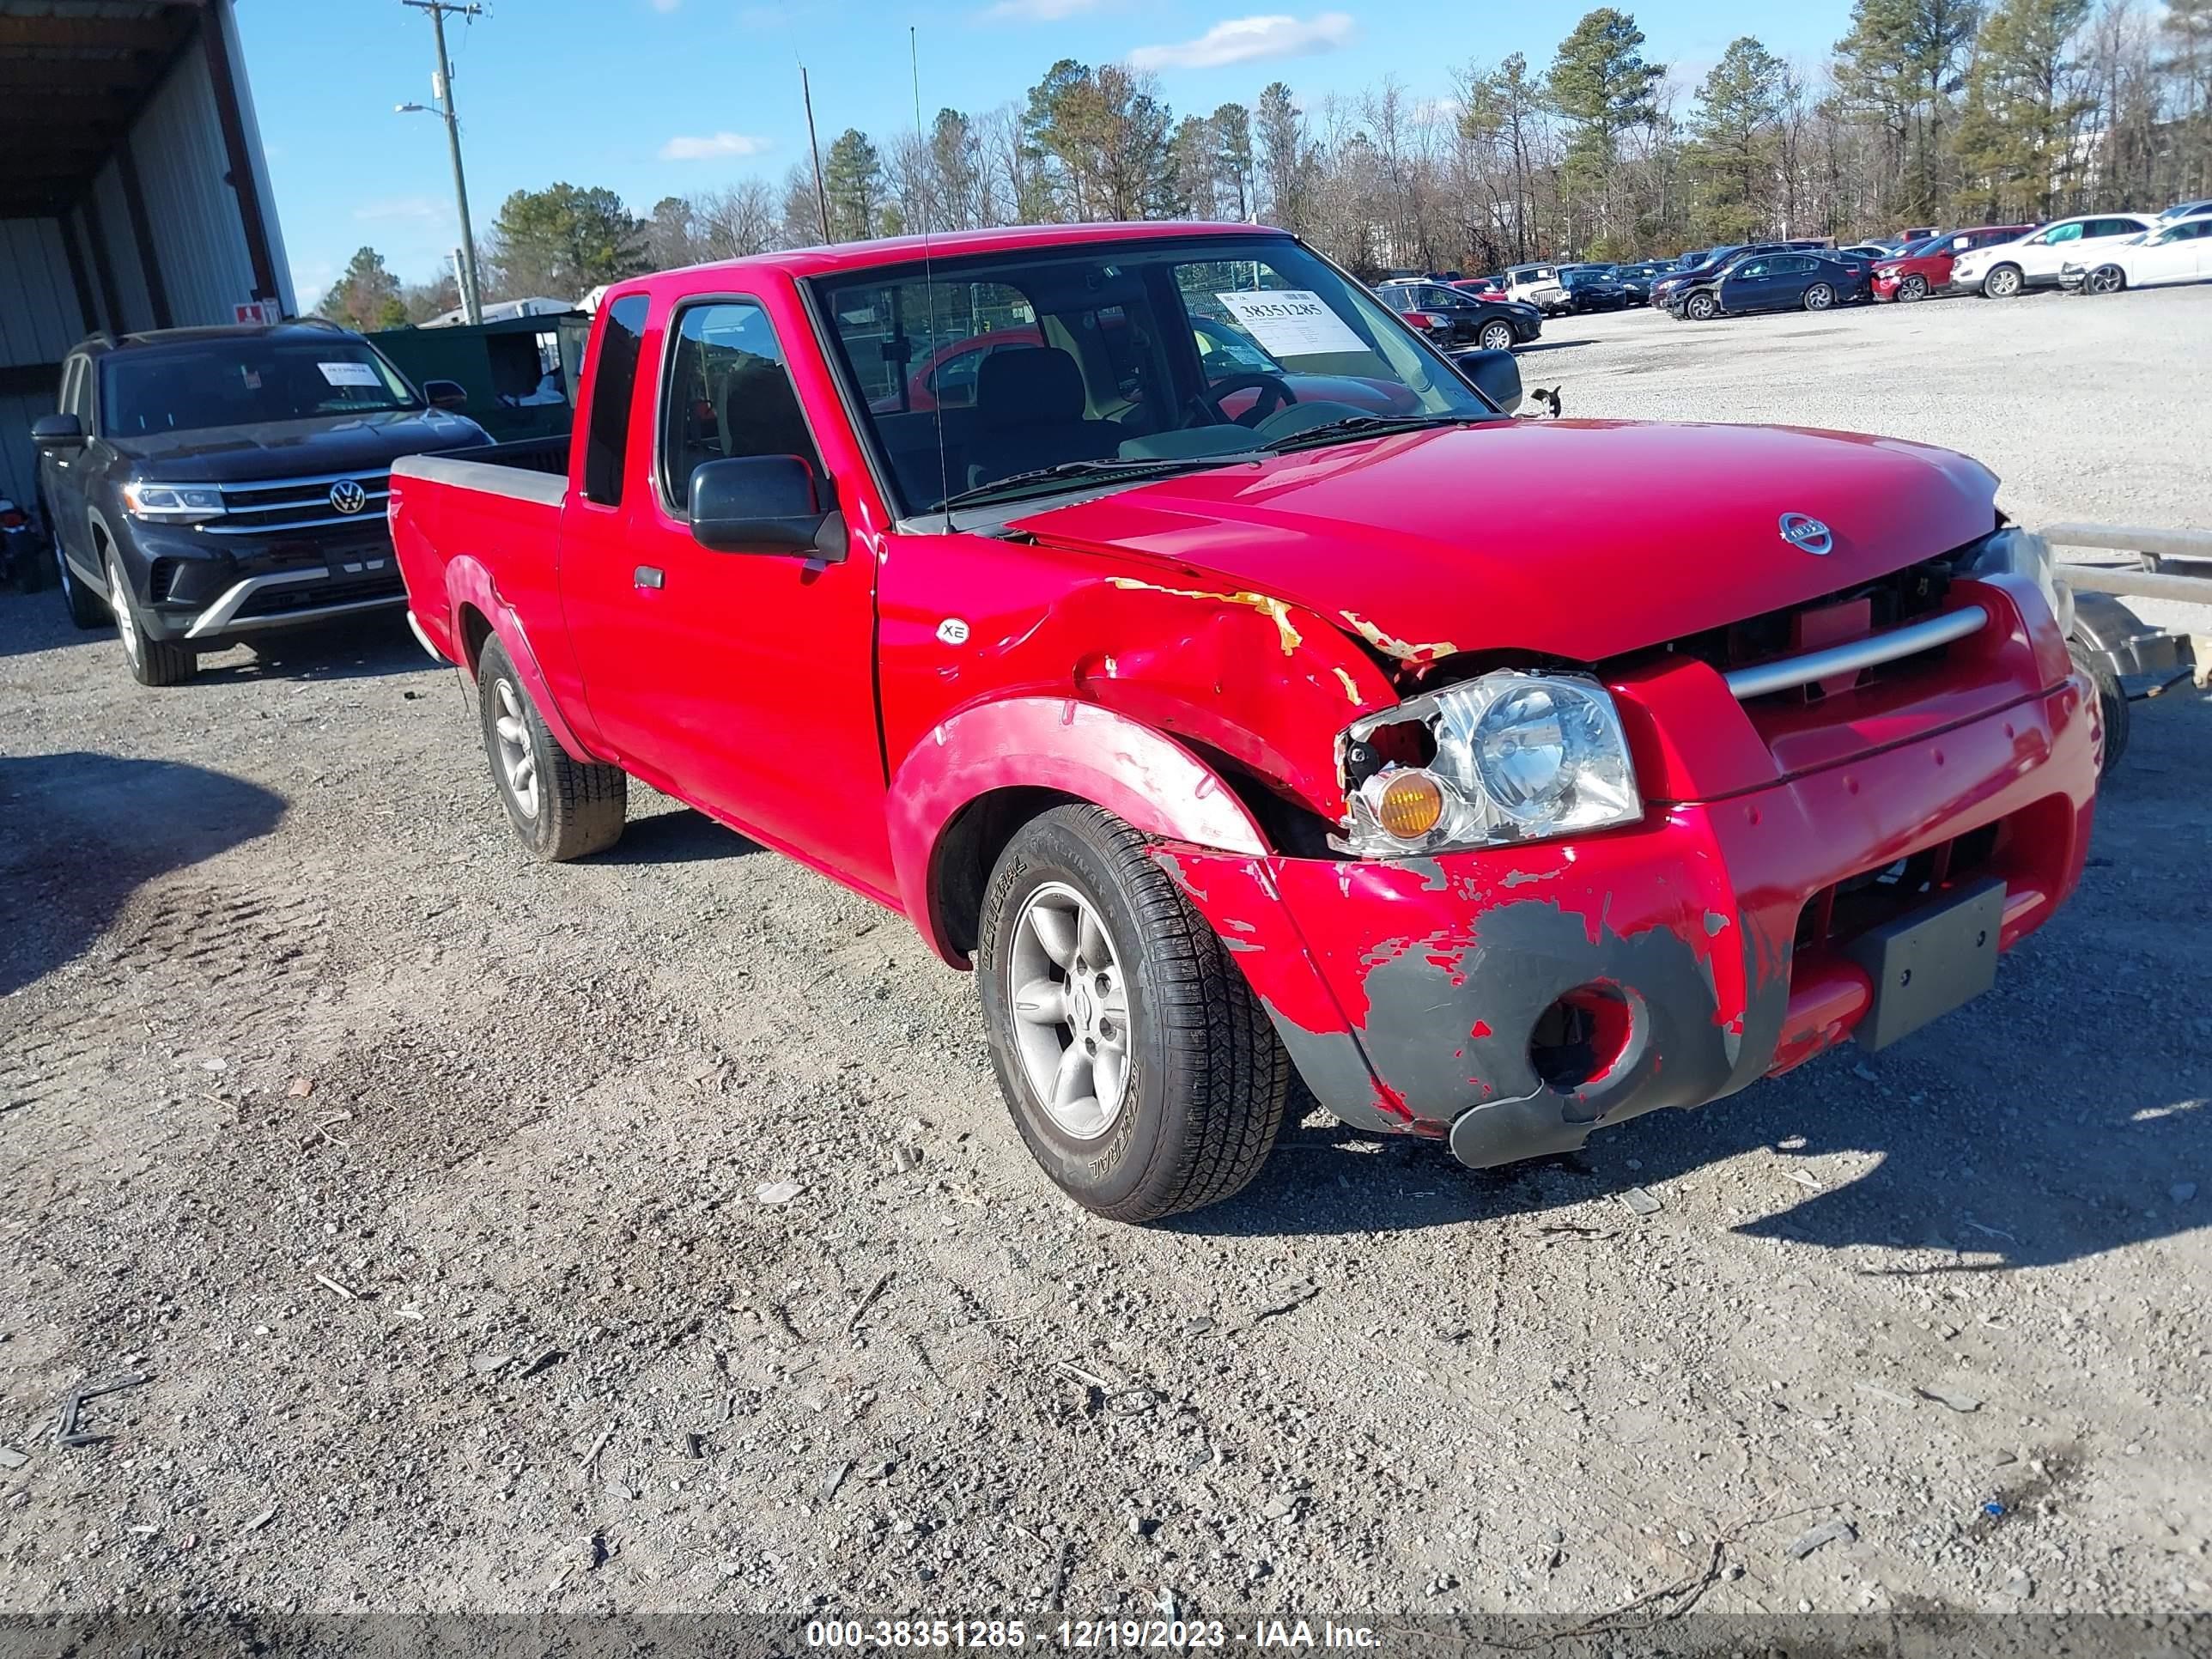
column 1579, row 539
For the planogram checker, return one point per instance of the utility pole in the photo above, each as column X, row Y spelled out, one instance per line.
column 442, row 83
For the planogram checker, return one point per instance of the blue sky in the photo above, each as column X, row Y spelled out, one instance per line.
column 659, row 97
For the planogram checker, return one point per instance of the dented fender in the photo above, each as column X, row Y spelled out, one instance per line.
column 467, row 582
column 1148, row 780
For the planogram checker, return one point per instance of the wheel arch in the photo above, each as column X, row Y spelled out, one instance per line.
column 479, row 616
column 979, row 775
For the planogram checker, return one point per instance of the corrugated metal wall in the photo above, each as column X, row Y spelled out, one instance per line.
column 38, row 322
column 198, row 243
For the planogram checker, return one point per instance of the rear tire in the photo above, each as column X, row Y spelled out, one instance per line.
column 561, row 808
column 2111, row 699
column 1819, row 297
column 2003, row 284
column 153, row 662
column 1123, row 987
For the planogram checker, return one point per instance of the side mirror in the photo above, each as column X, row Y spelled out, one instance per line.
column 57, row 432
column 446, row 394
column 763, row 504
column 1495, row 374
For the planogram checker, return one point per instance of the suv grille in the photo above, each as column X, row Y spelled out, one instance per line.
column 281, row 504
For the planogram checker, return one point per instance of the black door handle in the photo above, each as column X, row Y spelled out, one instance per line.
column 646, row 576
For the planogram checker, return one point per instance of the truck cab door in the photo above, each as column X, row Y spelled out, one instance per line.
column 742, row 682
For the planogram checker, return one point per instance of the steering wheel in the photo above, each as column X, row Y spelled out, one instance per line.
column 1274, row 392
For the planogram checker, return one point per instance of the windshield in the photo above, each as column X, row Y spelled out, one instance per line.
column 1148, row 356
column 243, row 380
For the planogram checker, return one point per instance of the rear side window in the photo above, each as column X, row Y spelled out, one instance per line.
column 613, row 384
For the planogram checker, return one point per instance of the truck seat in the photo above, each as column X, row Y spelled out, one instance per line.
column 1029, row 406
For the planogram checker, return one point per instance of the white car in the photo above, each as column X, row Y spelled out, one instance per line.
column 2040, row 259
column 1537, row 285
column 2179, row 250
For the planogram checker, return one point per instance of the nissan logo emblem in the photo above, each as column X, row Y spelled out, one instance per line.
column 1807, row 535
column 347, row 496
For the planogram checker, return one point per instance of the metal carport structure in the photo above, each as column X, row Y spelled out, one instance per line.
column 133, row 190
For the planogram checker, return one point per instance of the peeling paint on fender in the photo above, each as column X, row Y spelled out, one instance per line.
column 1272, row 608
column 1417, row 656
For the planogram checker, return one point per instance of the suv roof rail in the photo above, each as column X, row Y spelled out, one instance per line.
column 319, row 322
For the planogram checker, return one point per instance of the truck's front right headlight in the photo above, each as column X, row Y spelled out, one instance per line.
column 1504, row 757
column 162, row 503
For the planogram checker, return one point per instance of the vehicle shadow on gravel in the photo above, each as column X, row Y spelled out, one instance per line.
column 683, row 835
column 34, row 622
column 371, row 648
column 83, row 831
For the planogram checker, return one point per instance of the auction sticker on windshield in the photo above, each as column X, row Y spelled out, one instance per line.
column 1292, row 323
column 349, row 374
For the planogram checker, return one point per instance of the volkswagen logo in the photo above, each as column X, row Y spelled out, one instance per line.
column 347, row 496
column 1806, row 535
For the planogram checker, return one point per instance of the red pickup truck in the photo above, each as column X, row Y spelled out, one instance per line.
column 1500, row 779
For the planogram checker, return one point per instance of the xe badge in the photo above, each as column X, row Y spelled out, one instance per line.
column 1807, row 535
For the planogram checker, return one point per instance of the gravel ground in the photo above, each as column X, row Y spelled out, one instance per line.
column 425, row 1186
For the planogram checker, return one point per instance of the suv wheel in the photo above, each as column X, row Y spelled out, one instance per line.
column 1914, row 287
column 1140, row 1070
column 2003, row 284
column 1496, row 336
column 561, row 808
column 1701, row 307
column 1819, row 297
column 2106, row 279
column 153, row 662
column 87, row 610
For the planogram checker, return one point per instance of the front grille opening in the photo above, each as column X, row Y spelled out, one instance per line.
column 1891, row 601
column 161, row 580
column 1838, row 914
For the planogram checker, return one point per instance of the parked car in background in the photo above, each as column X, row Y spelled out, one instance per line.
column 2037, row 260
column 1453, row 317
column 1483, row 288
column 1924, row 267
column 2187, row 209
column 2178, row 250
column 1536, row 285
column 1771, row 282
column 207, row 485
column 1636, row 280
column 24, row 558
column 1591, row 288
column 1710, row 262
column 1228, row 750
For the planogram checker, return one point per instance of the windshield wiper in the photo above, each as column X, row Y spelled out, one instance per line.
column 1364, row 426
column 1044, row 476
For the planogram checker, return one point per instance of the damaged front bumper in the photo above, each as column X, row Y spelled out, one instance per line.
column 1510, row 1002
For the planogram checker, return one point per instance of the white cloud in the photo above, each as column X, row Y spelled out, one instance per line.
column 1242, row 40
column 714, row 144
column 1038, row 11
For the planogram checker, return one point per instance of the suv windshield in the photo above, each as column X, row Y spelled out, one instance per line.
column 244, row 380
column 1132, row 358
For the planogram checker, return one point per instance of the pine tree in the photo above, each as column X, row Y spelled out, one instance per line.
column 1600, row 81
column 1736, row 129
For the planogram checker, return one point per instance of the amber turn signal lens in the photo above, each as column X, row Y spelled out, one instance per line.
column 1412, row 803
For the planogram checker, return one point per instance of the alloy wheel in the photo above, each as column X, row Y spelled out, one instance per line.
column 1819, row 297
column 1070, row 1007
column 1497, row 336
column 2106, row 279
column 518, row 749
column 1913, row 287
column 2003, row 282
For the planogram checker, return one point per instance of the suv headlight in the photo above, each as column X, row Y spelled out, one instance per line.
column 1502, row 758
column 2019, row 552
column 172, row 503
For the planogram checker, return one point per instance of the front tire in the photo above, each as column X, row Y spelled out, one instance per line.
column 1496, row 336
column 1819, row 297
column 2111, row 701
column 2003, row 284
column 561, row 808
column 1141, row 1071
column 153, row 662
column 2106, row 279
column 88, row 611
column 1912, row 287
column 1701, row 307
